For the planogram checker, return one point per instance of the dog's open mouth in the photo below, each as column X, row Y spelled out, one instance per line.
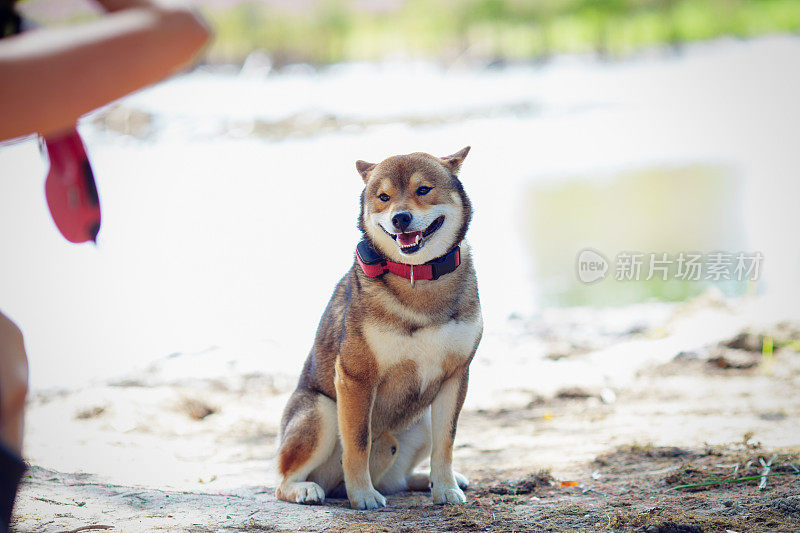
column 414, row 240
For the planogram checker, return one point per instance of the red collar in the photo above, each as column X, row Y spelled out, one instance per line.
column 374, row 265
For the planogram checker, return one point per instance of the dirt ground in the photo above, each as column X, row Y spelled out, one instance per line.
column 576, row 422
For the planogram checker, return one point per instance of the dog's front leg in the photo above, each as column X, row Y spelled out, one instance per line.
column 354, row 399
column 445, row 410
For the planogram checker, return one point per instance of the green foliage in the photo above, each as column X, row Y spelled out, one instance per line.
column 325, row 31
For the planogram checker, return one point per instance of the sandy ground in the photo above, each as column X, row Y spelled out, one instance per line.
column 576, row 420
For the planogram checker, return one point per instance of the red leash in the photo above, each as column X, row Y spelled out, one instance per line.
column 70, row 188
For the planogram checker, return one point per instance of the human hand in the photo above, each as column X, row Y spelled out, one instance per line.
column 119, row 5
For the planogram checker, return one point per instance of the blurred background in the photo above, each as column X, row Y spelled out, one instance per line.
column 322, row 32
column 230, row 194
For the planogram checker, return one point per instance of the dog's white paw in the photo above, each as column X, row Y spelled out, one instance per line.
column 366, row 499
column 301, row 492
column 461, row 480
column 450, row 495
column 309, row 492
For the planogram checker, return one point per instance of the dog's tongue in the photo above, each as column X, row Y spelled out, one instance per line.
column 408, row 239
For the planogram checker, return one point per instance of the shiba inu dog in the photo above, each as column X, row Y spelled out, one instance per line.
column 383, row 386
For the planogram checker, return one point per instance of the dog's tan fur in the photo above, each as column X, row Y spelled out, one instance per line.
column 386, row 378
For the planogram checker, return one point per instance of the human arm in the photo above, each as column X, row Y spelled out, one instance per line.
column 50, row 77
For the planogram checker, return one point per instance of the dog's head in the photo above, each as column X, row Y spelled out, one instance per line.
column 413, row 208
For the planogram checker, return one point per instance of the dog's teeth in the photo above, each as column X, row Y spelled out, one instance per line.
column 419, row 238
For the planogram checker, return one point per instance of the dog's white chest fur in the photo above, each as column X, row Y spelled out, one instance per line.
column 427, row 346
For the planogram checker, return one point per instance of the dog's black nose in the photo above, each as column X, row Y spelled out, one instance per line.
column 401, row 220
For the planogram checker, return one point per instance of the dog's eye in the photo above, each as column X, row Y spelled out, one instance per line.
column 384, row 197
column 422, row 191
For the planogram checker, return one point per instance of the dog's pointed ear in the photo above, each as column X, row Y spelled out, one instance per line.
column 453, row 162
column 364, row 169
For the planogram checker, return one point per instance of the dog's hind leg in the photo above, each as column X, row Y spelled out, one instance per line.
column 422, row 481
column 308, row 438
column 381, row 457
column 413, row 446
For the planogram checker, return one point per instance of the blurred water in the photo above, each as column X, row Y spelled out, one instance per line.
column 649, row 212
column 215, row 238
